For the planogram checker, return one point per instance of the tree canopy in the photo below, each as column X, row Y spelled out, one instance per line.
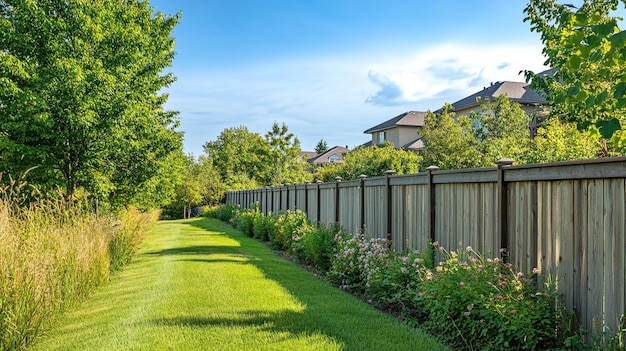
column 246, row 160
column 80, row 100
column 587, row 50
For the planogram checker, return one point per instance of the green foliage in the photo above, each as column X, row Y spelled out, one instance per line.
column 556, row 141
column 476, row 303
column 283, row 159
column 587, row 48
column 80, row 96
column 450, row 143
column 316, row 246
column 321, row 146
column 246, row 160
column 371, row 161
column 224, row 213
column 500, row 130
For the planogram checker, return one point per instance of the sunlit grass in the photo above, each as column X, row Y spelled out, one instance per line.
column 199, row 285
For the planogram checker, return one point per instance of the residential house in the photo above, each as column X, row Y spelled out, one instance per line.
column 332, row 155
column 401, row 131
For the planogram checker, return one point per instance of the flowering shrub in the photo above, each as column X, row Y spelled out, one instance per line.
column 485, row 304
column 289, row 227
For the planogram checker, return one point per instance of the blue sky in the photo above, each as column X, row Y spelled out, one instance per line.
column 333, row 68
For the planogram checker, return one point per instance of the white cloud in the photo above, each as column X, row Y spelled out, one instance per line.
column 325, row 97
column 433, row 72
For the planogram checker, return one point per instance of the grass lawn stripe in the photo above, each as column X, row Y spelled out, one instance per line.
column 201, row 285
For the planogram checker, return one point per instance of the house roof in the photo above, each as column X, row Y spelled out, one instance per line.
column 519, row 92
column 306, row 155
column 407, row 119
column 324, row 157
column 417, row 144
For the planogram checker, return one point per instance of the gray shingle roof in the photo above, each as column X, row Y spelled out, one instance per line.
column 516, row 91
column 409, row 119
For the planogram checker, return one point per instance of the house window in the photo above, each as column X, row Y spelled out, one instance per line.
column 334, row 158
column 381, row 137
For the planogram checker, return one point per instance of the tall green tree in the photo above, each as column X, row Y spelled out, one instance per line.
column 321, row 146
column 586, row 47
column 79, row 94
column 240, row 157
column 502, row 130
column 450, row 142
column 284, row 163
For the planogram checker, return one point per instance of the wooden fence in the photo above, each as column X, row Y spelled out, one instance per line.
column 567, row 220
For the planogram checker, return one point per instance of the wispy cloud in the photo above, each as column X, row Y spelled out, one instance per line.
column 337, row 97
column 435, row 72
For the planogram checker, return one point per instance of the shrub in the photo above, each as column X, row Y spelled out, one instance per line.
column 315, row 246
column 290, row 226
column 224, row 213
column 475, row 303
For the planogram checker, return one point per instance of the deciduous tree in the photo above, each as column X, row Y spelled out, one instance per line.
column 588, row 51
column 80, row 98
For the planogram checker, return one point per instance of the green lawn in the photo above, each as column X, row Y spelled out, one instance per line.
column 200, row 285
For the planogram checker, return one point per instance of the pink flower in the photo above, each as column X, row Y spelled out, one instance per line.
column 461, row 283
column 468, row 248
column 513, row 311
column 466, row 313
column 470, row 307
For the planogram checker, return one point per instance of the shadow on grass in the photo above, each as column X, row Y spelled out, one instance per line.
column 328, row 311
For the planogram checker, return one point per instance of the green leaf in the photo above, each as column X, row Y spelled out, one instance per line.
column 574, row 62
column 618, row 39
column 620, row 90
column 573, row 91
column 595, row 56
column 603, row 29
column 582, row 96
column 601, row 97
column 608, row 127
column 621, row 103
column 591, row 101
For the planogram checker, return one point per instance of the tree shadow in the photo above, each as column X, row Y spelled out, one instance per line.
column 337, row 314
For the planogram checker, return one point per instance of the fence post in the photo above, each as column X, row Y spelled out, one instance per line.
column 280, row 197
column 272, row 190
column 337, row 181
column 319, row 203
column 388, row 174
column 432, row 198
column 362, row 177
column 503, row 205
column 287, row 196
column 306, row 197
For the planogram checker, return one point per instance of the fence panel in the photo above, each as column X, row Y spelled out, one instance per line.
column 376, row 208
column 566, row 219
column 350, row 206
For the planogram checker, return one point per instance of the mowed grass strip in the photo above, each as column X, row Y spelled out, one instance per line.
column 200, row 285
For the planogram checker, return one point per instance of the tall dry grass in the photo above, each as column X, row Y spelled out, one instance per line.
column 53, row 253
